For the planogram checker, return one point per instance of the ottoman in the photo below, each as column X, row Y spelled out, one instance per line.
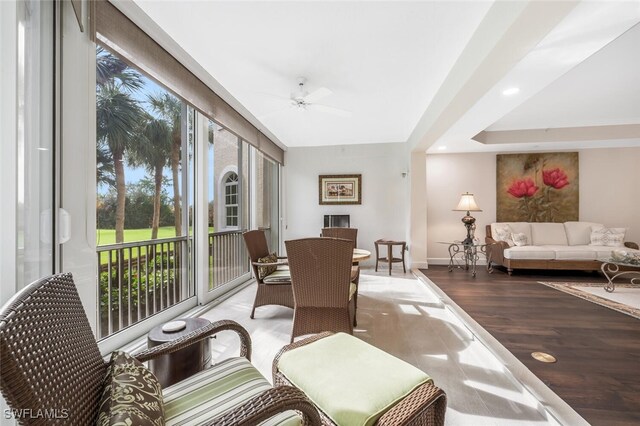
column 355, row 384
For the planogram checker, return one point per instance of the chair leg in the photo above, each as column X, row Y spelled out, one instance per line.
column 390, row 257
column 355, row 309
column 403, row 267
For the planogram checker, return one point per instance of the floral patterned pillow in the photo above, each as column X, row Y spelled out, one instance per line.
column 263, row 271
column 520, row 239
column 608, row 237
column 131, row 394
column 503, row 233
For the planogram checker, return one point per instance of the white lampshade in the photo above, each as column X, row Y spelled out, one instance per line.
column 467, row 204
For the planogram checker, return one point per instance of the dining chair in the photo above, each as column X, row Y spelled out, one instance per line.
column 352, row 235
column 322, row 288
column 274, row 288
column 345, row 233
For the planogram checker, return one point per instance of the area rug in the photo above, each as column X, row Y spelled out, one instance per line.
column 625, row 298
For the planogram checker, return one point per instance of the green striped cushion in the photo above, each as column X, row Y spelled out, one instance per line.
column 278, row 277
column 216, row 390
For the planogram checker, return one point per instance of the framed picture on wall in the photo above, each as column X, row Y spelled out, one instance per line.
column 340, row 189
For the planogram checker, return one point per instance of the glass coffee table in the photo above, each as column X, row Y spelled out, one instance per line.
column 614, row 268
column 465, row 255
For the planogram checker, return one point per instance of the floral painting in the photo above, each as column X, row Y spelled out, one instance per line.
column 537, row 187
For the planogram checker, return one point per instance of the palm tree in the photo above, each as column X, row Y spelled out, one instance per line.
column 118, row 118
column 152, row 152
column 170, row 108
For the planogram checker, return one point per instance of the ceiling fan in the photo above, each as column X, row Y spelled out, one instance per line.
column 302, row 100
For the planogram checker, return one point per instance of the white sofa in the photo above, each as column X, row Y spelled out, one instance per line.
column 550, row 246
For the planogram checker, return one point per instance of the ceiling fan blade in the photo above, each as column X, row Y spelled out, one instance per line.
column 331, row 110
column 316, row 95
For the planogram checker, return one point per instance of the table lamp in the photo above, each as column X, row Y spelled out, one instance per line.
column 468, row 204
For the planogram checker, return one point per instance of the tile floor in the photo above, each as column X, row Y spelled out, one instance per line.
column 402, row 316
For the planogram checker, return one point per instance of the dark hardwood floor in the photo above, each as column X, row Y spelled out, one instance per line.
column 598, row 349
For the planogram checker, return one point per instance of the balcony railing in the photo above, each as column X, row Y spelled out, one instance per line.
column 228, row 259
column 139, row 279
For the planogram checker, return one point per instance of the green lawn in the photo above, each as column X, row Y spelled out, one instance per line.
column 108, row 236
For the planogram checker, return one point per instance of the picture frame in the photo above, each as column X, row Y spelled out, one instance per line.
column 340, row 189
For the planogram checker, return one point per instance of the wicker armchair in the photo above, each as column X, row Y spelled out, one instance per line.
column 276, row 293
column 350, row 234
column 426, row 405
column 50, row 360
column 322, row 288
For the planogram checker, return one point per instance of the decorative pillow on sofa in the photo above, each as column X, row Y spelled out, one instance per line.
column 131, row 394
column 503, row 233
column 520, row 239
column 610, row 237
column 263, row 271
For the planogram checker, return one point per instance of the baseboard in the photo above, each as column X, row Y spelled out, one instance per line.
column 445, row 261
column 418, row 265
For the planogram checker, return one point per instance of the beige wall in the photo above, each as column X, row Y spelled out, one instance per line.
column 609, row 193
column 383, row 212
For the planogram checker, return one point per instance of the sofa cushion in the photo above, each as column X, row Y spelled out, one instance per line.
column 530, row 252
column 335, row 373
column 611, row 237
column 579, row 233
column 548, row 234
column 215, row 391
column 574, row 252
column 132, row 394
column 604, row 252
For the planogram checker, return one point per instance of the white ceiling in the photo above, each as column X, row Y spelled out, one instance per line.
column 384, row 61
column 429, row 73
column 602, row 90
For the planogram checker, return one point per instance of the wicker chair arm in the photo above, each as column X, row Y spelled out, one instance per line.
column 631, row 245
column 411, row 410
column 268, row 404
column 197, row 335
column 293, row 346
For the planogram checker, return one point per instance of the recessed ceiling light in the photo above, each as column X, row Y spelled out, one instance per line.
column 442, row 148
column 511, row 91
column 43, row 149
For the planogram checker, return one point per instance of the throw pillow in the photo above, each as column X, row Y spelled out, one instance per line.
column 520, row 239
column 131, row 394
column 503, row 233
column 263, row 271
column 610, row 237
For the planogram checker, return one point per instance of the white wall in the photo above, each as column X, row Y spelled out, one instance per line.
column 384, row 209
column 609, row 193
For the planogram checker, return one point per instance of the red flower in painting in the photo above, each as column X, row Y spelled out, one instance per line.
column 523, row 188
column 555, row 178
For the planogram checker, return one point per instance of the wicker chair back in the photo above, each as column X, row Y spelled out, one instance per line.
column 50, row 359
column 257, row 247
column 344, row 233
column 320, row 271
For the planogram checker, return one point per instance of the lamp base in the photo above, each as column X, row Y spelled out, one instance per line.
column 469, row 222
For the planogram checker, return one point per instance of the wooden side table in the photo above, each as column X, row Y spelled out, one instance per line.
column 389, row 258
column 179, row 365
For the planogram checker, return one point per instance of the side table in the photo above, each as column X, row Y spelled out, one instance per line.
column 390, row 259
column 179, row 365
column 466, row 256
